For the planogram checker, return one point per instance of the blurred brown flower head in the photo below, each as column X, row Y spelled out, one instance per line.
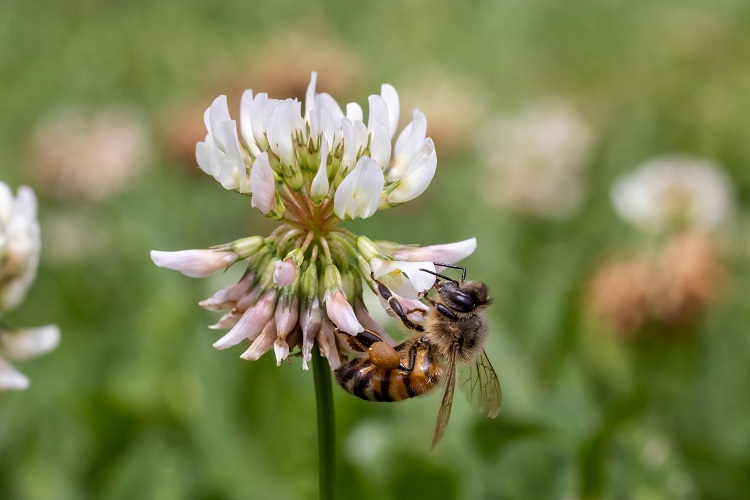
column 535, row 158
column 88, row 156
column 666, row 290
column 282, row 67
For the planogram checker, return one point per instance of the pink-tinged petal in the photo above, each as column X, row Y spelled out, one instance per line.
column 390, row 96
column 10, row 378
column 319, row 187
column 227, row 297
column 359, row 193
column 30, row 342
column 251, row 323
column 262, row 344
column 280, row 350
column 404, row 278
column 417, row 176
column 194, row 263
column 310, row 320
column 341, row 313
column 327, row 342
column 415, row 310
column 286, row 317
column 380, row 145
column 448, row 253
column 285, row 272
column 229, row 320
column 263, row 185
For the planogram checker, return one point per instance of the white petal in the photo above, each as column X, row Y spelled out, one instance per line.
column 281, row 130
column 218, row 113
column 354, row 112
column 350, row 146
column 359, row 192
column 328, row 103
column 448, row 253
column 30, row 342
column 310, row 94
column 194, row 263
column 280, row 350
column 378, row 112
column 246, row 119
column 417, row 176
column 392, row 272
column 10, row 378
column 257, row 121
column 380, row 145
column 319, row 187
column 408, row 144
column 203, row 156
column 360, row 135
column 263, row 185
column 390, row 96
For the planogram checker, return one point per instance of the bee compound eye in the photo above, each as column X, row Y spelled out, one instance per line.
column 461, row 301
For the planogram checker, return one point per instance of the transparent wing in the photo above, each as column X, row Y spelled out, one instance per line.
column 444, row 414
column 480, row 385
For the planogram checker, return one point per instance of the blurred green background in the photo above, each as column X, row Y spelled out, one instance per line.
column 135, row 403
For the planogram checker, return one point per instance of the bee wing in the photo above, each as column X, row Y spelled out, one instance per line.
column 444, row 414
column 481, row 387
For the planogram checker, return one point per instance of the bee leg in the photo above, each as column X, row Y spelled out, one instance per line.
column 362, row 341
column 396, row 307
column 412, row 357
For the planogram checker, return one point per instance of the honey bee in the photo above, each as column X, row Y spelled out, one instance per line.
column 453, row 333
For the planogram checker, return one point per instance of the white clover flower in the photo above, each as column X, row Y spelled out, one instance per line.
column 20, row 345
column 313, row 167
column 673, row 191
column 20, row 245
column 535, row 158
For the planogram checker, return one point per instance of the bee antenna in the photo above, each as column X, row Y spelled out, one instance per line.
column 438, row 275
column 463, row 269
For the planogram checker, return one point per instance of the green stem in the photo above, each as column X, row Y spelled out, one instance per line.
column 326, row 437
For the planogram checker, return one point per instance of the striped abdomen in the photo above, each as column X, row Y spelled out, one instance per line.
column 363, row 379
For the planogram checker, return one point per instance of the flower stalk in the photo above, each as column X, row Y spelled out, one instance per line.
column 326, row 425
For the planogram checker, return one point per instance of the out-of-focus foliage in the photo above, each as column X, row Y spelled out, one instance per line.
column 135, row 403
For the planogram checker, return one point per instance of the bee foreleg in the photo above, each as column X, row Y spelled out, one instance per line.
column 442, row 309
column 396, row 307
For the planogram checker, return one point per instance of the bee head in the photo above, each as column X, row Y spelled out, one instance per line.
column 463, row 296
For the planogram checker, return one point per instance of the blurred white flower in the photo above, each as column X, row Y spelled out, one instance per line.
column 24, row 344
column 534, row 160
column 20, row 244
column 673, row 191
column 88, row 156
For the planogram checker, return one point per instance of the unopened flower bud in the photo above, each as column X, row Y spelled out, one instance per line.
column 368, row 249
column 309, row 283
column 331, row 279
column 247, row 247
column 194, row 263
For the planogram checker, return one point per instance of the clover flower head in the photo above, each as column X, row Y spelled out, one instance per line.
column 535, row 159
column 311, row 167
column 675, row 192
column 20, row 245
